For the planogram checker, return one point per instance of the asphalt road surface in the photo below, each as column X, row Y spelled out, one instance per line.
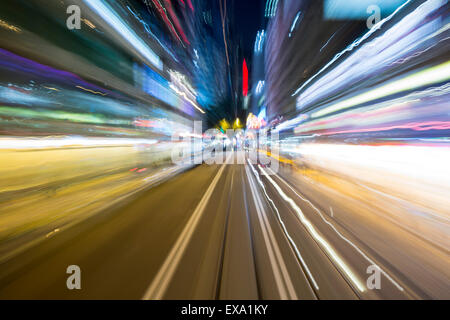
column 232, row 232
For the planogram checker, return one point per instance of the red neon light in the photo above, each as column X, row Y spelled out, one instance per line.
column 190, row 5
column 244, row 79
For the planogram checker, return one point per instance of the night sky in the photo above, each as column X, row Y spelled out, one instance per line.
column 248, row 19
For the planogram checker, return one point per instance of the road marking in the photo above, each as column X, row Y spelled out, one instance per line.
column 399, row 287
column 52, row 233
column 273, row 249
column 332, row 213
column 283, row 226
column 166, row 272
column 319, row 239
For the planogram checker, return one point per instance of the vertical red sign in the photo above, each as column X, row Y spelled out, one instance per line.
column 244, row 79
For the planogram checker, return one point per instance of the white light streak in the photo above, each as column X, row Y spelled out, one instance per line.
column 317, row 237
column 54, row 142
column 111, row 17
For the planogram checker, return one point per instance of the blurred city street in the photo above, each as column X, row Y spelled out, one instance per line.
column 225, row 150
